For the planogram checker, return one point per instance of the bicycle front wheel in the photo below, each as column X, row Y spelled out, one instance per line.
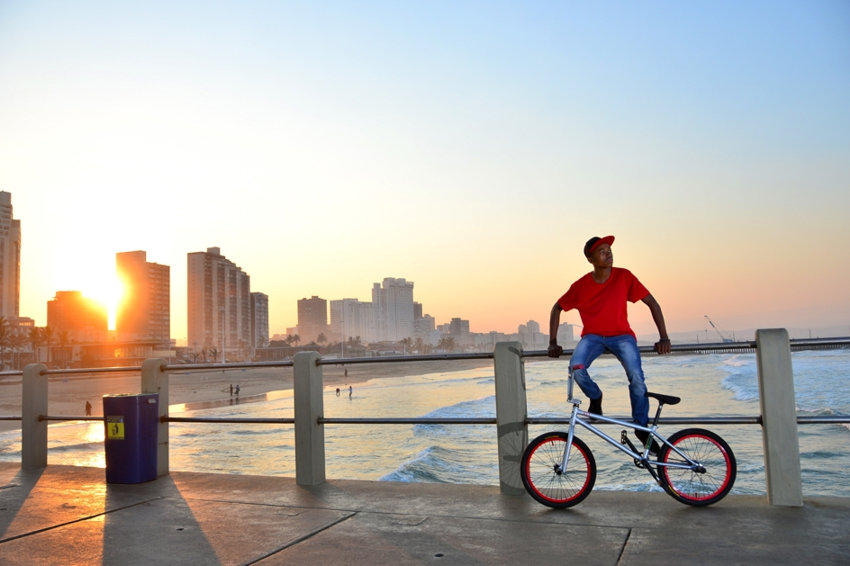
column 543, row 477
column 703, row 486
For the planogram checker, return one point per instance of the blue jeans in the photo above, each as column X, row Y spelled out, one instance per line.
column 625, row 348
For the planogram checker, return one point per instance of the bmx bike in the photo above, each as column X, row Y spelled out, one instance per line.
column 694, row 466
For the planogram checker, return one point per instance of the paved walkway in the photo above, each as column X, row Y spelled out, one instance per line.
column 70, row 515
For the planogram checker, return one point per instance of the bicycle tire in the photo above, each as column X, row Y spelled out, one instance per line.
column 542, row 478
column 692, row 487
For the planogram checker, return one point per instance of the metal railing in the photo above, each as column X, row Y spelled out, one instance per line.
column 318, row 420
column 715, row 347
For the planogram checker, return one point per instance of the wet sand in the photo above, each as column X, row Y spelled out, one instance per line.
column 67, row 395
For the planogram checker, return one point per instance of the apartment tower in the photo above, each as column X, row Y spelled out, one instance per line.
column 259, row 320
column 393, row 304
column 312, row 318
column 10, row 259
column 219, row 305
column 145, row 311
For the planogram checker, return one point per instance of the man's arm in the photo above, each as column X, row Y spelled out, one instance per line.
column 663, row 344
column 554, row 321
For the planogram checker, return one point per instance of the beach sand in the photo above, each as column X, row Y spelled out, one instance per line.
column 68, row 394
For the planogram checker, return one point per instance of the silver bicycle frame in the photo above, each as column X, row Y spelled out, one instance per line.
column 574, row 420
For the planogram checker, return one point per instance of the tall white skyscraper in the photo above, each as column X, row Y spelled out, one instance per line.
column 259, row 320
column 10, row 259
column 393, row 304
column 219, row 304
column 351, row 319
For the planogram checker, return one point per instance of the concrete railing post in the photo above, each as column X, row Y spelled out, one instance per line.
column 154, row 380
column 34, row 405
column 511, row 413
column 309, row 433
column 779, row 415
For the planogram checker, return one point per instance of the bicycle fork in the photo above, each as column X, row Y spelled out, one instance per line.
column 566, row 459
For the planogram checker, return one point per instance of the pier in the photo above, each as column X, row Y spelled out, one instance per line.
column 69, row 515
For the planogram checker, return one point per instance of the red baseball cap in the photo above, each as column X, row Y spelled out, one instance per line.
column 595, row 242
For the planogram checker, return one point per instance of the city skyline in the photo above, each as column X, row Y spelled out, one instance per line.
column 472, row 148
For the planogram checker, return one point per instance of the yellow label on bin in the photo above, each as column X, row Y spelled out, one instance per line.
column 115, row 428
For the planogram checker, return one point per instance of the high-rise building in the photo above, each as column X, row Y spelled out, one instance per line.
column 75, row 318
column 312, row 318
column 352, row 319
column 219, row 305
column 393, row 304
column 10, row 259
column 259, row 320
column 145, row 310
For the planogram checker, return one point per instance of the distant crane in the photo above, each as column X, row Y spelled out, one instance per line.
column 723, row 338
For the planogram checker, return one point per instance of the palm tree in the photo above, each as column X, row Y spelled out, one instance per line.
column 63, row 341
column 48, row 334
column 447, row 343
column 36, row 338
column 19, row 340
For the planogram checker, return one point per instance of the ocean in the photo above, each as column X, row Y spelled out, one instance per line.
column 709, row 385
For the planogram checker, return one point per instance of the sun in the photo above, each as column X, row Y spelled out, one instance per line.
column 106, row 288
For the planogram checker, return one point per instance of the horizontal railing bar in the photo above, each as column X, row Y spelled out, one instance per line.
column 746, row 345
column 228, row 365
column 412, row 358
column 405, row 420
column 831, row 419
column 234, row 420
column 666, row 420
column 77, row 371
column 50, row 418
column 824, row 419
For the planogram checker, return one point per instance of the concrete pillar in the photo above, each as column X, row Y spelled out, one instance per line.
column 34, row 405
column 511, row 413
column 779, row 414
column 154, row 380
column 309, row 434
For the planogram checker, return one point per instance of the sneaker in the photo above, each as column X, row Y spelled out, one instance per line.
column 643, row 436
column 595, row 406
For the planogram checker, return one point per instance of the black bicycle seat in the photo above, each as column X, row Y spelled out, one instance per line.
column 664, row 399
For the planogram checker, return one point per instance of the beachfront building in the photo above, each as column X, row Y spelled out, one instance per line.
column 259, row 320
column 352, row 319
column 312, row 319
column 458, row 330
column 393, row 303
column 144, row 313
column 10, row 259
column 530, row 336
column 75, row 318
column 219, row 306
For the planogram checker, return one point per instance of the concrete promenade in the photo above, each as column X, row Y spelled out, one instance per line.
column 70, row 515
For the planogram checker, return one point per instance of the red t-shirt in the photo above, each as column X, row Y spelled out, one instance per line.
column 603, row 306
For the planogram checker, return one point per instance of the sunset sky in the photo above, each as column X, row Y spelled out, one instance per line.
column 469, row 147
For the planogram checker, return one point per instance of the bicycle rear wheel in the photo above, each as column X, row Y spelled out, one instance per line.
column 698, row 487
column 542, row 475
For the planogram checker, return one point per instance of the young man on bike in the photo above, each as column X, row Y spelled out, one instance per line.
column 601, row 299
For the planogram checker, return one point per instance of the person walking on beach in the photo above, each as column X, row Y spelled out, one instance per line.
column 88, row 409
column 601, row 298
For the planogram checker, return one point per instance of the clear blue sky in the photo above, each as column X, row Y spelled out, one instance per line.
column 470, row 147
